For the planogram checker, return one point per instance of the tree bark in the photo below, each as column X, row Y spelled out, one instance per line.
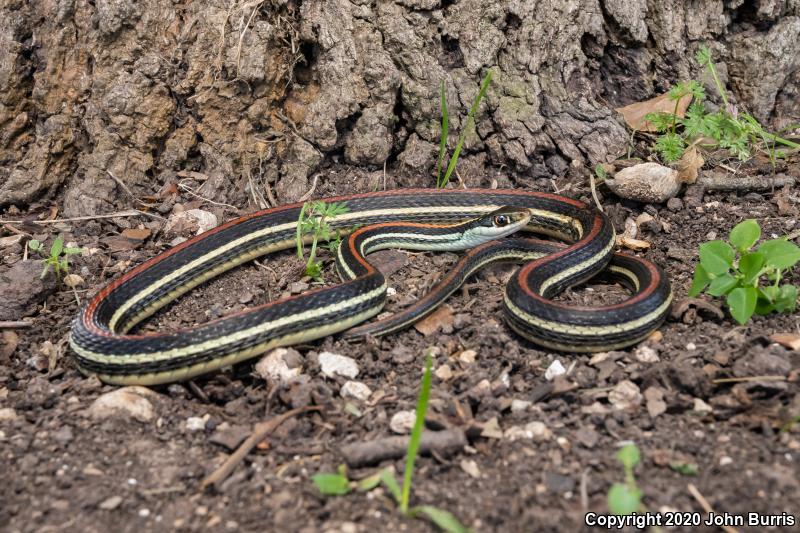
column 269, row 92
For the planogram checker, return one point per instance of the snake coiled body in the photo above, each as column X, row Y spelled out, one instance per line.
column 104, row 347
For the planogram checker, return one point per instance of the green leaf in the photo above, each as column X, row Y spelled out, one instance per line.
column 722, row 285
column 700, row 281
column 703, row 55
column 370, row 482
column 694, row 121
column 787, row 299
column 33, row 244
column 624, row 500
column 600, row 172
column 670, row 146
column 57, row 247
column 742, row 303
column 331, row 484
column 629, row 455
column 769, row 292
column 716, row 257
column 71, row 250
column 764, row 306
column 687, row 469
column 388, row 480
column 314, row 270
column 443, row 519
column 779, row 253
column 750, row 266
column 745, row 234
column 661, row 120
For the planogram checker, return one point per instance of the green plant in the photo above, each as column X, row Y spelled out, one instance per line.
column 313, row 220
column 626, row 498
column 735, row 271
column 58, row 257
column 334, row 484
column 442, row 181
column 727, row 128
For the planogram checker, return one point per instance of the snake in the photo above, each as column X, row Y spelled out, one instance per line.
column 416, row 219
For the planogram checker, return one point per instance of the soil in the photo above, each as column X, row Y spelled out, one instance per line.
column 66, row 471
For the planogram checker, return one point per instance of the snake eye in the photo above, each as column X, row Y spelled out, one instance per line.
column 502, row 220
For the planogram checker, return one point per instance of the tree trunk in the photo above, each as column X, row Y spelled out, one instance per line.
column 267, row 93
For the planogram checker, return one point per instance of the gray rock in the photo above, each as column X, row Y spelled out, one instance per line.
column 23, row 289
column 127, row 402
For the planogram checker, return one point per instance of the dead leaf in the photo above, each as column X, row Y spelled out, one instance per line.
column 49, row 351
column 120, row 243
column 787, row 340
column 73, row 280
column 168, row 191
column 8, row 343
column 388, row 261
column 654, row 396
column 634, row 113
column 643, row 218
column 10, row 240
column 684, row 305
column 632, row 244
column 491, row 429
column 689, row 165
column 136, row 234
column 435, row 321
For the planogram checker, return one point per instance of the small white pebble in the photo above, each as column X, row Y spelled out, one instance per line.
column 646, row 354
column 132, row 481
column 402, row 422
column 391, row 291
column 725, row 460
column 144, row 513
column 691, row 346
column 444, row 372
column 332, row 364
column 467, row 356
column 196, row 423
column 518, row 406
column 355, row 390
column 555, row 369
column 701, row 407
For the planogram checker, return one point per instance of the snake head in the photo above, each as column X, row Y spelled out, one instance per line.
column 499, row 223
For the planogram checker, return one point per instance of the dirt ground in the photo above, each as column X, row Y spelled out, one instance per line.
column 66, row 470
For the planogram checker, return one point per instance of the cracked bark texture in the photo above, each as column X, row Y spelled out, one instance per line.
column 270, row 92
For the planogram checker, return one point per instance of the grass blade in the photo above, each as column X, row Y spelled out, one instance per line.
column 470, row 120
column 416, row 434
column 443, row 141
column 388, row 480
column 444, row 519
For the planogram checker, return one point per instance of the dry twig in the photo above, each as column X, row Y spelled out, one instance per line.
column 119, row 214
column 260, row 432
column 373, row 452
column 14, row 324
column 707, row 506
